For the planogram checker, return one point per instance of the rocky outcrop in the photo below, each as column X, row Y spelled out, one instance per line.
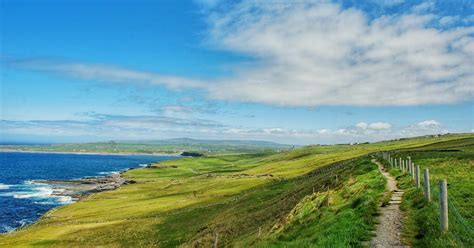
column 191, row 154
column 79, row 188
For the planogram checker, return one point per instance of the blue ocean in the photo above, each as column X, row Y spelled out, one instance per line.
column 23, row 202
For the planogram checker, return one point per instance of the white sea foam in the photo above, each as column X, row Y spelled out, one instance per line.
column 55, row 200
column 36, row 192
column 42, row 193
column 6, row 229
column 4, row 186
column 64, row 200
column 108, row 172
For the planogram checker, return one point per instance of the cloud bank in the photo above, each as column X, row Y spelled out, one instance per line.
column 311, row 54
column 317, row 54
column 101, row 127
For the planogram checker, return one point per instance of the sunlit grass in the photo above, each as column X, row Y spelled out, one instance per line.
column 186, row 201
column 453, row 161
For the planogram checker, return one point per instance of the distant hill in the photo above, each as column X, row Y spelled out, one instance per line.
column 188, row 141
column 167, row 146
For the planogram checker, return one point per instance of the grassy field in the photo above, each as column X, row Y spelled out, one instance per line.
column 342, row 216
column 188, row 202
column 453, row 161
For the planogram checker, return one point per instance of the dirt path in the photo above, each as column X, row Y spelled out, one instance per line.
column 388, row 233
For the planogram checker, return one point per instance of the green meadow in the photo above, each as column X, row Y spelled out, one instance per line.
column 267, row 199
column 453, row 161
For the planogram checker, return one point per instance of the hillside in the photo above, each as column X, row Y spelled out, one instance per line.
column 322, row 196
column 170, row 146
column 453, row 161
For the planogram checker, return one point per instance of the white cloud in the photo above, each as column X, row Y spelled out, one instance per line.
column 360, row 132
column 373, row 126
column 176, row 110
column 423, row 127
column 105, row 127
column 102, row 127
column 448, row 20
column 428, row 124
column 323, row 131
column 108, row 73
column 380, row 126
column 313, row 54
column 319, row 54
column 362, row 125
column 423, row 7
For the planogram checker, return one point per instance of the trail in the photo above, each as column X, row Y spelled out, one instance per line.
column 389, row 229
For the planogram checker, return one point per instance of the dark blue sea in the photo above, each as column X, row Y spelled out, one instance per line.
column 22, row 202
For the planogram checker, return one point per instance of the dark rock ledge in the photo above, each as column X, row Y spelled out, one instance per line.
column 79, row 188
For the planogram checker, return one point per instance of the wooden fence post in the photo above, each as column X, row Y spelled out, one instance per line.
column 413, row 171
column 400, row 163
column 417, row 176
column 216, row 240
column 443, row 205
column 427, row 185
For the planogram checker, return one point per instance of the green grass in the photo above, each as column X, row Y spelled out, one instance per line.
column 187, row 201
column 343, row 216
column 454, row 161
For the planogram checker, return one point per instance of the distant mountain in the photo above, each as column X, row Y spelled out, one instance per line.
column 188, row 142
column 169, row 146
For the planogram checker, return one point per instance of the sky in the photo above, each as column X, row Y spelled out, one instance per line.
column 294, row 72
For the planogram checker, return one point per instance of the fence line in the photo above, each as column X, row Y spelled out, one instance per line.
column 449, row 208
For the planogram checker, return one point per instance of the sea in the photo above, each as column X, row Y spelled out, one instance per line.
column 22, row 201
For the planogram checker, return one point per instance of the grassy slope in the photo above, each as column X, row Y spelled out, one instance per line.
column 187, row 201
column 453, row 161
column 343, row 216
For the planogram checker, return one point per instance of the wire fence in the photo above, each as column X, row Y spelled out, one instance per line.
column 459, row 217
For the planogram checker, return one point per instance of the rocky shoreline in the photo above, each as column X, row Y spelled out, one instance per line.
column 79, row 188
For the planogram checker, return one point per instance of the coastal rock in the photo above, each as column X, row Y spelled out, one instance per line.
column 79, row 188
column 191, row 154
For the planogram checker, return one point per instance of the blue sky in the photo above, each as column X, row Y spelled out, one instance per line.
column 292, row 72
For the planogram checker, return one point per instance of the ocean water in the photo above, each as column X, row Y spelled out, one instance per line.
column 23, row 202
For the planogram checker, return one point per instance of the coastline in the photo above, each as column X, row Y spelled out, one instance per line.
column 77, row 189
column 96, row 153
